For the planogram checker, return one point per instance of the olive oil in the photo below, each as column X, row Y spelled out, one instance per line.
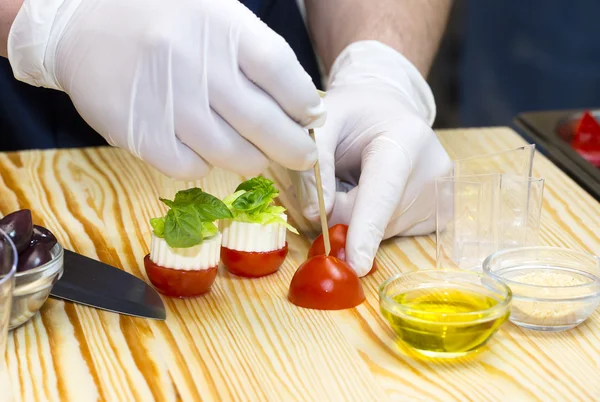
column 433, row 321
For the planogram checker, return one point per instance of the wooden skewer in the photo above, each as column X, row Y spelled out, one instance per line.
column 322, row 213
column 321, row 199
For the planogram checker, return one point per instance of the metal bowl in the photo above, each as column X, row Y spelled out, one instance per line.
column 33, row 287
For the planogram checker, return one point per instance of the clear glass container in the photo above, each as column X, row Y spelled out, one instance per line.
column 517, row 161
column 554, row 289
column 481, row 214
column 8, row 267
column 32, row 288
column 444, row 313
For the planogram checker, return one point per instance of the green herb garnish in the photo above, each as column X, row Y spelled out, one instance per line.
column 252, row 202
column 190, row 218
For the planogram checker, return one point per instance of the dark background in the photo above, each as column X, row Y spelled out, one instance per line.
column 503, row 57
column 444, row 75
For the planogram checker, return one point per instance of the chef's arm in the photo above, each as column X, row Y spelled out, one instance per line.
column 8, row 12
column 413, row 27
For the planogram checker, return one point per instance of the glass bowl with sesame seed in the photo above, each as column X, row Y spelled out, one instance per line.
column 554, row 289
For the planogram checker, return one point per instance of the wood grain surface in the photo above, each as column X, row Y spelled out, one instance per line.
column 244, row 341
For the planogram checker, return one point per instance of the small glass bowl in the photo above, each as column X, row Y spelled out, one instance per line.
column 554, row 289
column 32, row 288
column 444, row 313
column 8, row 268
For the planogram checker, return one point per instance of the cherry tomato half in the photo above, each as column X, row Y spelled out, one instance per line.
column 251, row 264
column 325, row 283
column 179, row 282
column 337, row 239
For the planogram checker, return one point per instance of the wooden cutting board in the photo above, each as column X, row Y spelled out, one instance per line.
column 244, row 341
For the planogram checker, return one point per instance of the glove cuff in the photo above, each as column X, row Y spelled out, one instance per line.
column 372, row 61
column 33, row 38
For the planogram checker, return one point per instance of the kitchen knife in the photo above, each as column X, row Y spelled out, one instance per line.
column 99, row 285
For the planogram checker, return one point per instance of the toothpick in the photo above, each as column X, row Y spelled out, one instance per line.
column 322, row 213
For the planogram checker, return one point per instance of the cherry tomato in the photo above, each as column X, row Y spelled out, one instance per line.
column 251, row 264
column 326, row 283
column 337, row 239
column 179, row 282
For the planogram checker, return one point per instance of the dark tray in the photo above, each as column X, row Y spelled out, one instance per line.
column 552, row 131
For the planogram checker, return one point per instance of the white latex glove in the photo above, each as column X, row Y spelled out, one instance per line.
column 378, row 149
column 181, row 84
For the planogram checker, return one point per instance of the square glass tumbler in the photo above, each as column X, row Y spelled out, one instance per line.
column 517, row 162
column 8, row 267
column 481, row 214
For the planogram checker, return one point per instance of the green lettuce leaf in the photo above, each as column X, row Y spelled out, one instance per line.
column 158, row 226
column 252, row 203
column 209, row 229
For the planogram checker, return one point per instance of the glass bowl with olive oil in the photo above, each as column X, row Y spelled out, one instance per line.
column 444, row 313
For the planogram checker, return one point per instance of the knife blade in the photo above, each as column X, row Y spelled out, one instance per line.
column 96, row 284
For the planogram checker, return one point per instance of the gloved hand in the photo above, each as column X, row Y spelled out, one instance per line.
column 377, row 149
column 181, row 84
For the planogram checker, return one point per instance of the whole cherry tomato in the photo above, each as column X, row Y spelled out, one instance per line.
column 253, row 264
column 337, row 239
column 179, row 282
column 325, row 283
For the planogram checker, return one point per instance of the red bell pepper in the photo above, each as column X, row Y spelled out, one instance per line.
column 586, row 140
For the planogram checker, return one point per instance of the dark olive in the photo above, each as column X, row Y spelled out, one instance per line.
column 33, row 257
column 41, row 235
column 19, row 227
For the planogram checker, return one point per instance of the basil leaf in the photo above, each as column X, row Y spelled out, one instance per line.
column 158, row 226
column 183, row 227
column 255, row 182
column 209, row 207
column 252, row 201
column 259, row 192
column 185, row 197
column 190, row 218
column 231, row 198
column 168, row 203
